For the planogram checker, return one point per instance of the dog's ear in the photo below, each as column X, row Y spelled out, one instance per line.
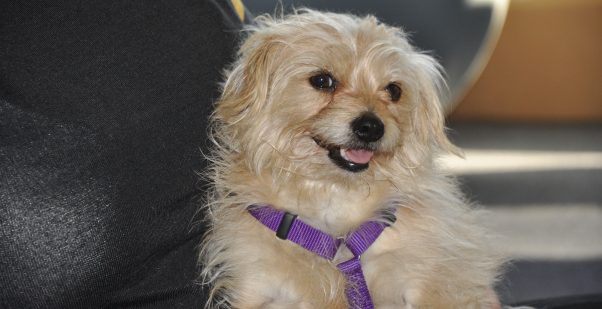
column 247, row 85
column 428, row 118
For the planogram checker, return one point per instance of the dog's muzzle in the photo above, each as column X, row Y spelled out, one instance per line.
column 367, row 130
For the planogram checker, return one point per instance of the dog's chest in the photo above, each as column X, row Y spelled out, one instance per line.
column 314, row 274
column 333, row 209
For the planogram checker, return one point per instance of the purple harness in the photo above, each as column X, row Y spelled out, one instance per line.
column 287, row 227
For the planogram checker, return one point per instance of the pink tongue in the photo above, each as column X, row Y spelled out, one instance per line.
column 359, row 156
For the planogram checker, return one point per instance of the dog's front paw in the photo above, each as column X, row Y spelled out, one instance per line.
column 288, row 304
column 417, row 299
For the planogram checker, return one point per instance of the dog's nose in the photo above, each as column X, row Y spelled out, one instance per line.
column 368, row 127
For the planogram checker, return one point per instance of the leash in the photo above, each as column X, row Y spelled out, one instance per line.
column 288, row 227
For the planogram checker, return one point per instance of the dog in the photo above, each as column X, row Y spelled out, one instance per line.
column 333, row 122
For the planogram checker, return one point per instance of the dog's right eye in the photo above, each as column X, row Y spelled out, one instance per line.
column 323, row 81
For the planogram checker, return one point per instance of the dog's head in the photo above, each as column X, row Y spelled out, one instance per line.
column 331, row 95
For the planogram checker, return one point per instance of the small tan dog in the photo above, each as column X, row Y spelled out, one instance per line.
column 336, row 119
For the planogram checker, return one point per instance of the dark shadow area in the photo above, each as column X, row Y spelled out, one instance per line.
column 537, row 188
column 570, row 302
column 529, row 280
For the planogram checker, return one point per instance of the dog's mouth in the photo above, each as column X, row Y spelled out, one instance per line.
column 347, row 158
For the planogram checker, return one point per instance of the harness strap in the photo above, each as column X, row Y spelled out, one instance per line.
column 287, row 226
column 299, row 232
column 358, row 242
column 356, row 289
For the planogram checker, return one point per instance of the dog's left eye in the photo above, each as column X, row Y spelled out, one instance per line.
column 323, row 81
column 394, row 91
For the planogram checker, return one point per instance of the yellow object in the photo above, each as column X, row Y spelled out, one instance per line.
column 239, row 8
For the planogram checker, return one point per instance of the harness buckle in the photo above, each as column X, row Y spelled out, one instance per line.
column 285, row 225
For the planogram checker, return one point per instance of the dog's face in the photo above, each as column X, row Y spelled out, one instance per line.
column 331, row 96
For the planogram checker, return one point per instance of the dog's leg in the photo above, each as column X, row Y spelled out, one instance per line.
column 266, row 302
column 435, row 299
column 271, row 290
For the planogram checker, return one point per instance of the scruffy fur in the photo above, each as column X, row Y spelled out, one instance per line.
column 265, row 129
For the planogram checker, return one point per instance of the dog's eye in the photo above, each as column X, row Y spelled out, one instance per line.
column 394, row 91
column 323, row 81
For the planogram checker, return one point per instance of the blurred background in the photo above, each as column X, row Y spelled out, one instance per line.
column 525, row 103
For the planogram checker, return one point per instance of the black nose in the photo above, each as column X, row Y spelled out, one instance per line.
column 368, row 127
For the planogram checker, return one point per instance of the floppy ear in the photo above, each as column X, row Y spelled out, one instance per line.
column 429, row 120
column 247, row 85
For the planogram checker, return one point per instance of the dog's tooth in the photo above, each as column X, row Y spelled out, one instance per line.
column 344, row 153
